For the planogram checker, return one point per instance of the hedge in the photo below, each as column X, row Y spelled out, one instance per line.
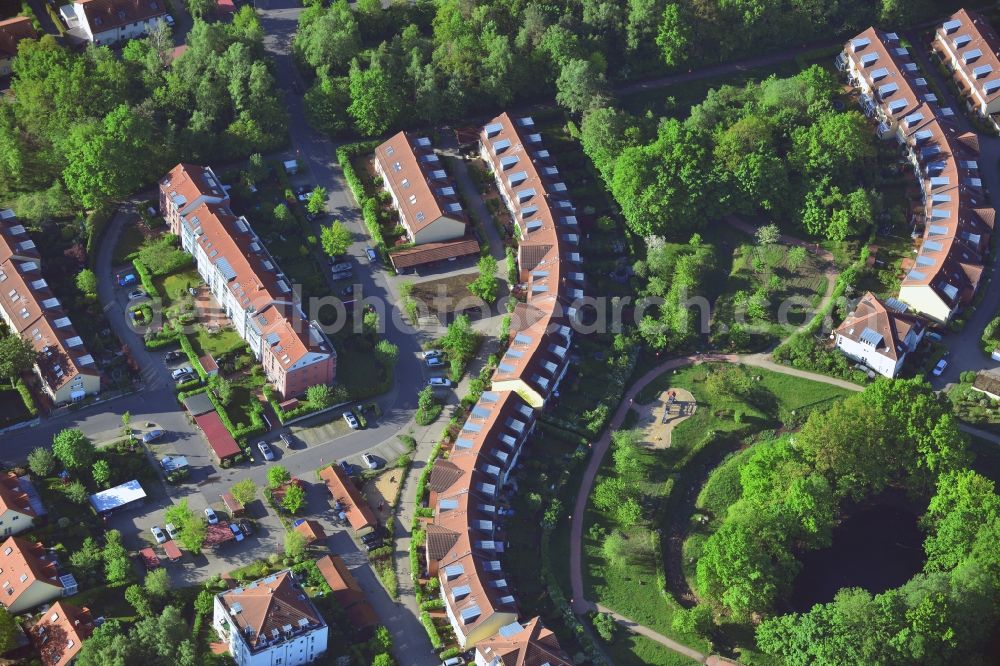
column 145, row 278
column 569, row 617
column 26, row 397
column 369, row 205
column 432, row 632
column 185, row 386
column 192, row 356
column 94, row 224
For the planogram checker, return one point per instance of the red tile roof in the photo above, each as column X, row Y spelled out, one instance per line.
column 352, row 503
column 103, row 15
column 12, row 31
column 13, row 496
column 59, row 634
column 892, row 325
column 414, row 173
column 23, row 563
column 265, row 607
column 218, row 436
column 967, row 34
column 530, row 644
column 431, row 252
column 311, row 530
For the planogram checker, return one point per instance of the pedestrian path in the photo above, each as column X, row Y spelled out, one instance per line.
column 580, row 603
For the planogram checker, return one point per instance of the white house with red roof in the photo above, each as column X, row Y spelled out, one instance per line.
column 105, row 22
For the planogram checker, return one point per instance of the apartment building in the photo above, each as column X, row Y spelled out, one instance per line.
column 550, row 265
column 185, row 188
column 465, row 541
column 956, row 223
column 521, row 644
column 12, row 31
column 879, row 334
column 421, row 191
column 247, row 282
column 30, row 577
column 106, row 22
column 270, row 622
column 67, row 372
column 969, row 46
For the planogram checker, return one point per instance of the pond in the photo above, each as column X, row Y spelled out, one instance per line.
column 878, row 547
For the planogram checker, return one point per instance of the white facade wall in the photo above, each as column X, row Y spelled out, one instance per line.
column 302, row 649
column 926, row 301
column 869, row 356
column 114, row 35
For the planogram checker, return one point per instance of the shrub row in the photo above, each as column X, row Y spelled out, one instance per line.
column 573, row 623
column 369, row 205
column 192, row 356
column 26, row 397
column 254, row 410
column 432, row 632
column 145, row 278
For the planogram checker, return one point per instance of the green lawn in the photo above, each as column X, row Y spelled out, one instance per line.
column 172, row 287
column 358, row 369
column 672, row 476
column 634, row 650
column 217, row 344
column 12, row 407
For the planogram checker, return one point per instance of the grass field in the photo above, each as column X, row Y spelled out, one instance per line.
column 633, row 650
column 673, row 478
column 173, row 287
column 223, row 342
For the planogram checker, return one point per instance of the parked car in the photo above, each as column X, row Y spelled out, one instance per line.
column 236, row 532
column 210, row 516
column 265, row 450
column 341, row 267
column 933, row 336
column 352, row 421
column 369, row 461
column 158, row 535
column 181, row 371
column 136, row 293
column 434, row 361
column 347, row 467
column 374, row 545
column 939, row 368
column 453, row 661
column 286, row 439
column 370, row 537
column 172, row 531
column 245, row 528
column 186, row 377
column 433, row 353
column 440, row 382
column 372, row 255
column 126, row 279
column 169, row 19
column 347, row 291
column 173, row 356
column 153, row 435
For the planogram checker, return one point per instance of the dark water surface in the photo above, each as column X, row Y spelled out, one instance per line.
column 878, row 547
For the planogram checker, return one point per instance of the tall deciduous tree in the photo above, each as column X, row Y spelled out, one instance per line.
column 72, row 448
column 376, row 101
column 581, row 86
column 17, row 355
column 335, row 239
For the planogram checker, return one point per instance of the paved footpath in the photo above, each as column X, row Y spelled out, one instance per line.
column 580, row 603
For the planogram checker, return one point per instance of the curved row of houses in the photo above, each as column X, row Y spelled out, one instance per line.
column 465, row 540
column 956, row 220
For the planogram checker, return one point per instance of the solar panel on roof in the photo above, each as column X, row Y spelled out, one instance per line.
column 501, row 145
column 227, row 271
column 464, row 443
column 940, row 198
column 923, row 260
column 913, row 119
column 940, row 214
column 896, row 304
column 489, row 396
column 923, row 135
column 880, row 73
column 454, row 570
column 982, row 70
column 871, row 337
column 472, row 427
column 504, row 367
column 860, row 43
column 971, row 55
column 480, row 412
column 511, row 629
column 523, row 339
column 448, row 504
column 961, row 41
column 868, row 59
column 493, row 128
column 461, row 592
column 470, row 614
column 951, row 25
column 915, row 275
column 950, row 290
column 933, row 246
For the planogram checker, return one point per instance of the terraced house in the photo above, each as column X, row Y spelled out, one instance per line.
column 465, row 541
column 66, row 370
column 12, row 31
column 246, row 282
column 969, row 46
column 955, row 222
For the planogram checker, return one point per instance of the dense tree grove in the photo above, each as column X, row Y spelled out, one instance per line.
column 777, row 148
column 96, row 126
column 895, row 433
column 942, row 616
column 443, row 60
